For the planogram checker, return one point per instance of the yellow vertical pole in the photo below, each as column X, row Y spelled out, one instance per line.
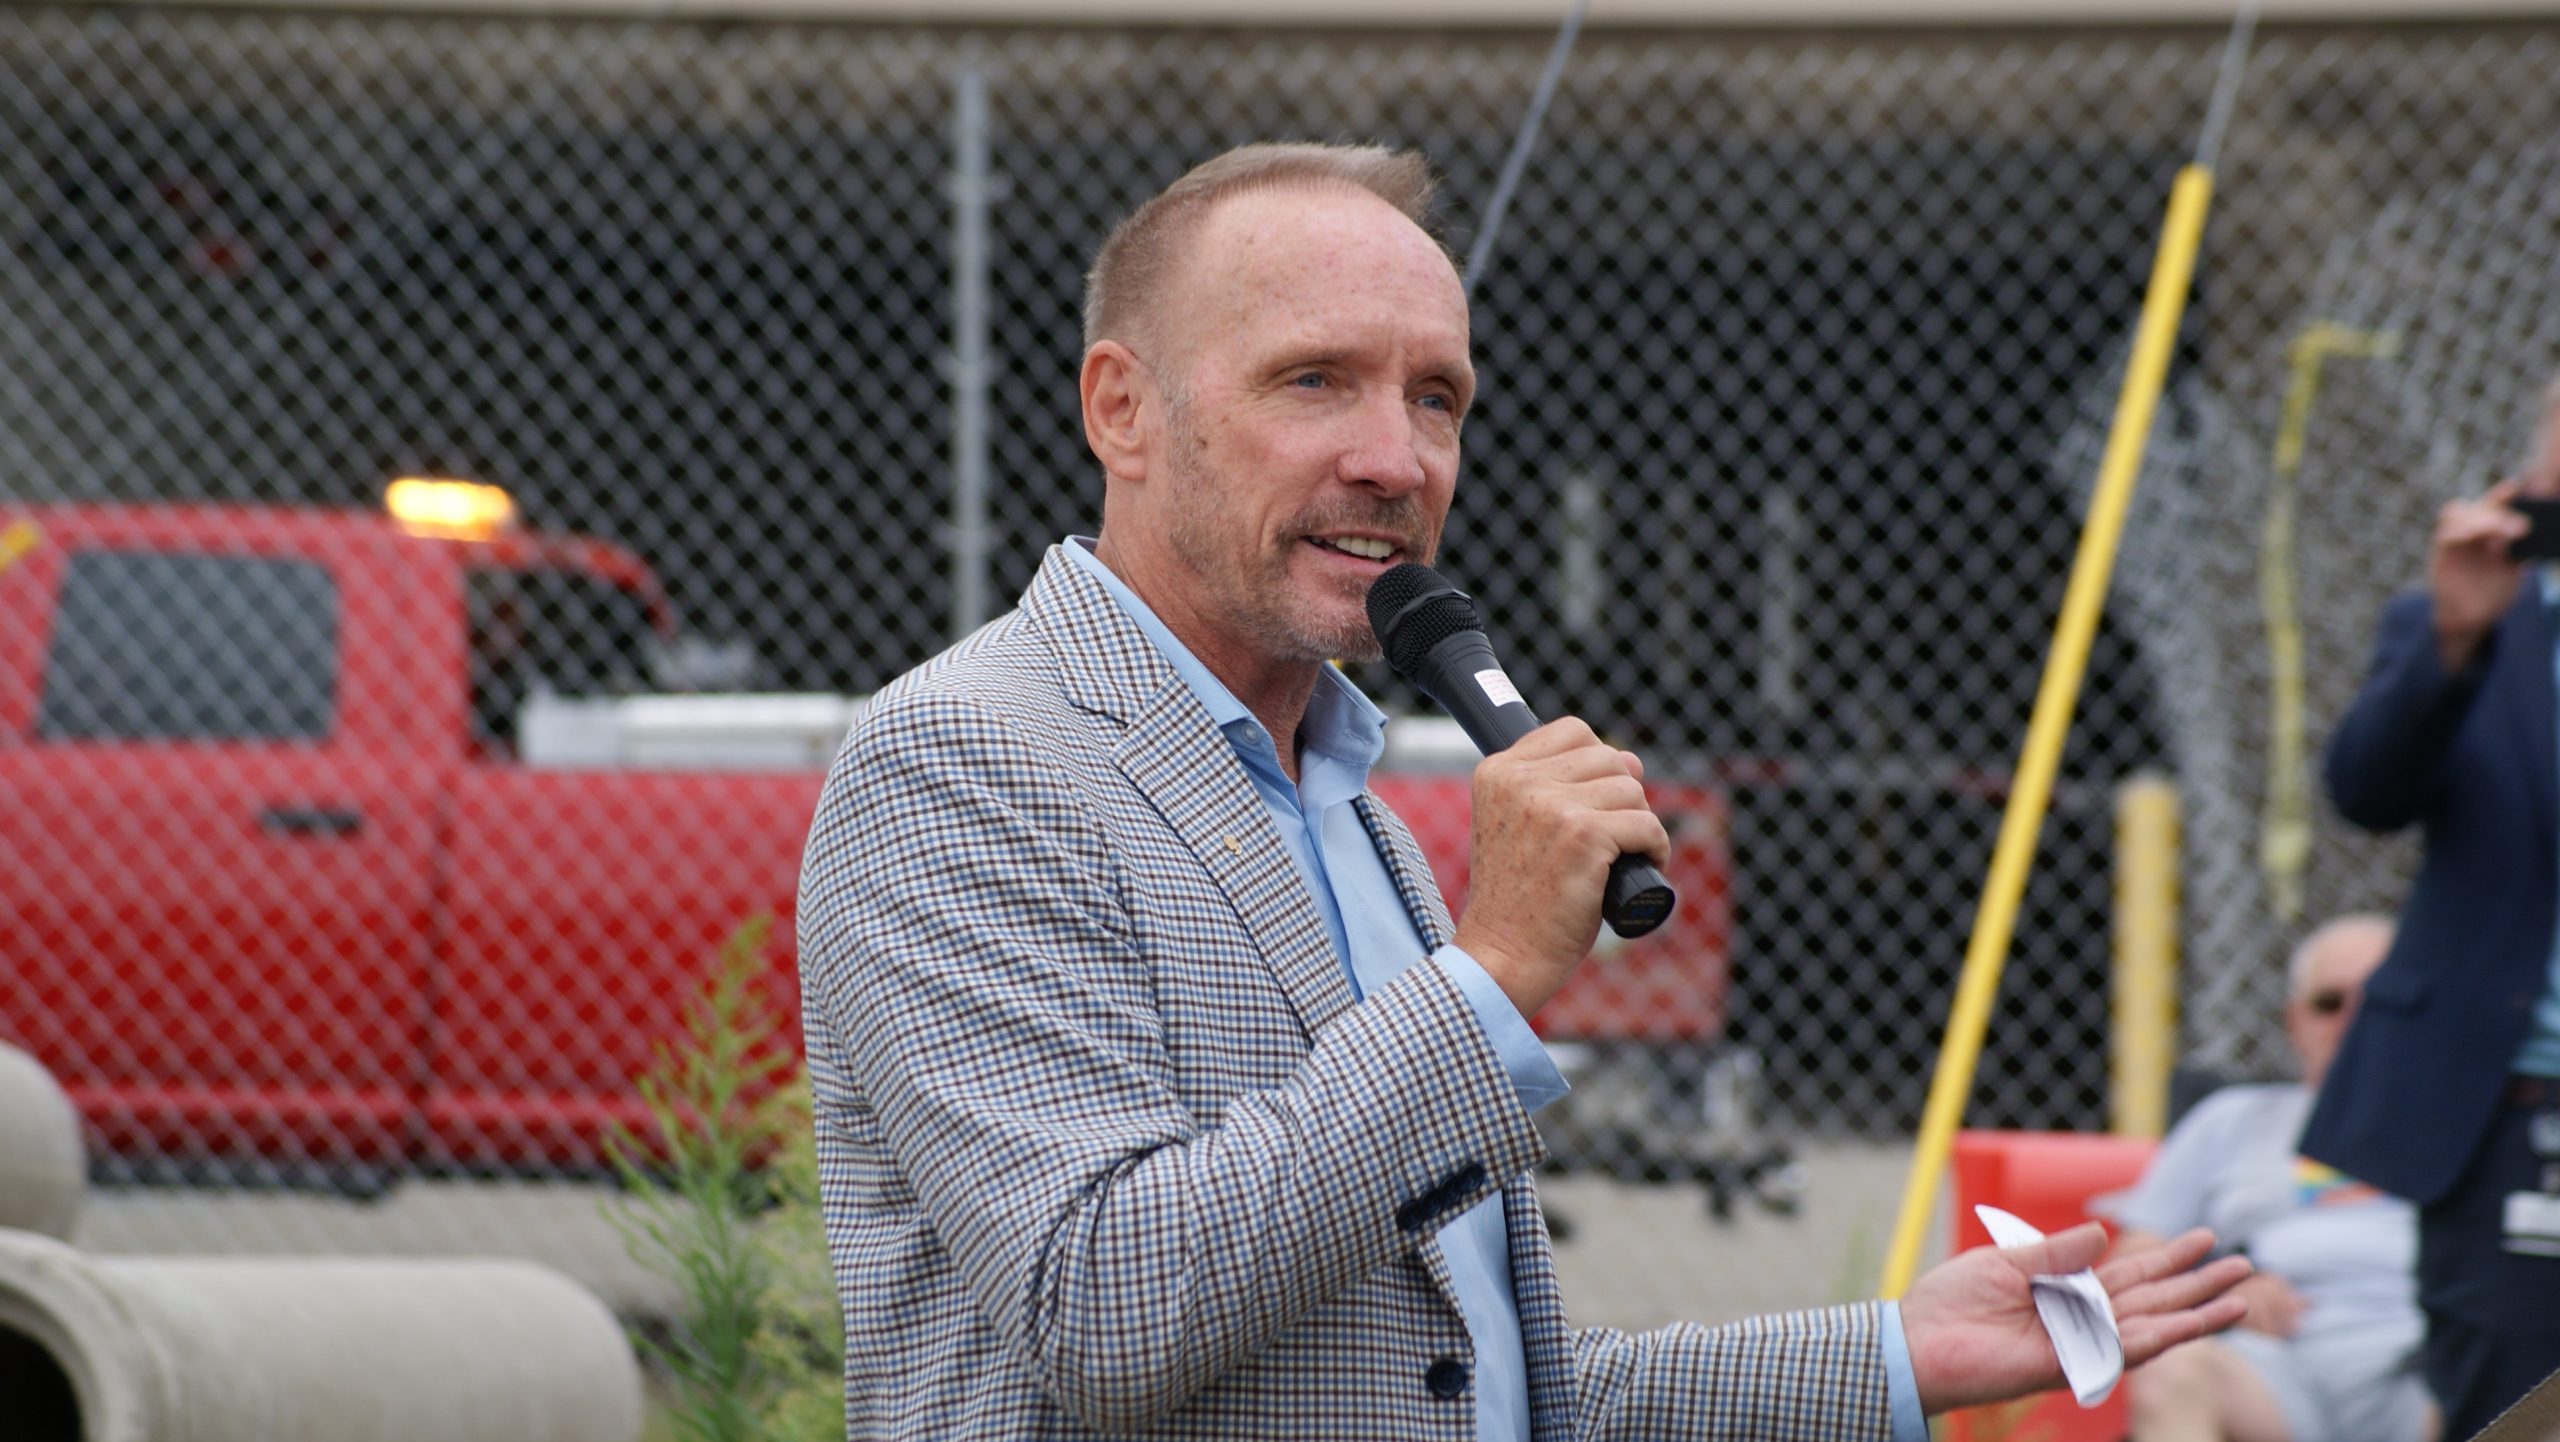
column 2144, row 1041
column 2163, row 303
column 2284, row 830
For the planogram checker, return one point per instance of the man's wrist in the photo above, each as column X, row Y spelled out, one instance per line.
column 1493, row 958
column 1902, row 1387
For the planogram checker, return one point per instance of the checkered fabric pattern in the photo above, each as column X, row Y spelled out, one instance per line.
column 1107, row 1146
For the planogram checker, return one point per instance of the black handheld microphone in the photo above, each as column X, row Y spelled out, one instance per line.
column 1434, row 638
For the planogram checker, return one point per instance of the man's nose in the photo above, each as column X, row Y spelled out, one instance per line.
column 1385, row 447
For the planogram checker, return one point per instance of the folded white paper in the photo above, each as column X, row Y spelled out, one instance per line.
column 2075, row 1312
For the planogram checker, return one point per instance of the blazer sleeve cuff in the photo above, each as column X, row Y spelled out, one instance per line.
column 1524, row 1058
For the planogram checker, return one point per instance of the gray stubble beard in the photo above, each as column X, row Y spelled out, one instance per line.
column 1194, row 541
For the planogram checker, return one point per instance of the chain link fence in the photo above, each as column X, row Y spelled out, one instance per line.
column 337, row 859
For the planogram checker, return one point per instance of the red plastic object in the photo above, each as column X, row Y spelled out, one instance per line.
column 2047, row 1180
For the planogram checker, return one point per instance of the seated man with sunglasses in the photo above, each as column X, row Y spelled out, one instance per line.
column 2329, row 1350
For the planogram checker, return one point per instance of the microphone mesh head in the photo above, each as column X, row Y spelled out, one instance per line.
column 1414, row 608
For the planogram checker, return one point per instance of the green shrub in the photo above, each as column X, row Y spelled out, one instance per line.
column 722, row 1198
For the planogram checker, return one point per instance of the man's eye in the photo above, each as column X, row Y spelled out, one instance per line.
column 1309, row 380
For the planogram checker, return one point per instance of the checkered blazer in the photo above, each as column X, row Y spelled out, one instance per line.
column 1105, row 1142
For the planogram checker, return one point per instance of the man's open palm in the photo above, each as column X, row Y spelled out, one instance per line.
column 1973, row 1331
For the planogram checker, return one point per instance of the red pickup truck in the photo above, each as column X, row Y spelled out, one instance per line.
column 303, row 874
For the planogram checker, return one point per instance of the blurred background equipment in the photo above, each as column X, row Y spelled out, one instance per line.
column 373, row 860
column 43, row 1169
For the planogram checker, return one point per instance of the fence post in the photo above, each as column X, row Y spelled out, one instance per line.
column 969, row 200
column 2143, row 1040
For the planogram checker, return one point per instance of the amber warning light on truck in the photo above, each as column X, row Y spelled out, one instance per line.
column 460, row 510
column 19, row 542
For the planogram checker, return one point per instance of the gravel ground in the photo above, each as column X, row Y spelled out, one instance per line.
column 1639, row 1257
column 562, row 1226
column 1632, row 1256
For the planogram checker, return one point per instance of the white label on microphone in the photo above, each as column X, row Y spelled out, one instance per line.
column 1498, row 688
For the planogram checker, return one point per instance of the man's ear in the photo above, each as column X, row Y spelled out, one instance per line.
column 1117, row 395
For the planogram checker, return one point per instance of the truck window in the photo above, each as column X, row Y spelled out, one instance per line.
column 174, row 646
column 565, row 632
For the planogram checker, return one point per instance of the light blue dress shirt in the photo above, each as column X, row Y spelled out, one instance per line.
column 1341, row 737
column 2541, row 1053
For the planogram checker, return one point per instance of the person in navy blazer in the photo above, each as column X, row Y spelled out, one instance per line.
column 2447, row 1088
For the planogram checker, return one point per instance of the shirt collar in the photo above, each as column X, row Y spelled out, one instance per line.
column 1344, row 731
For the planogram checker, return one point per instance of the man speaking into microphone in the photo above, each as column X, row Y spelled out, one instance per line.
column 1156, row 1092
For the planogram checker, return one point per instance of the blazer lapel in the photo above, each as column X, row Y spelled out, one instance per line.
column 1532, row 1271
column 1411, row 873
column 1546, row 1338
column 1182, row 765
column 1178, row 760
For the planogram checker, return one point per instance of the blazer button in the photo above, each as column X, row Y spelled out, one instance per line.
column 1447, row 1377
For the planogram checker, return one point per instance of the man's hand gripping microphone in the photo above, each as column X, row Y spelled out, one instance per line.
column 1434, row 638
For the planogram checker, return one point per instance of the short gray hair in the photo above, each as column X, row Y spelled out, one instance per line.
column 2297, row 968
column 1143, row 249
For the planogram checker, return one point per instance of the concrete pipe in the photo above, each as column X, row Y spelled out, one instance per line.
column 43, row 1169
column 291, row 1349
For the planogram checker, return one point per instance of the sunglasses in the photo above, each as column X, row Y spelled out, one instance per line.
column 2327, row 1003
